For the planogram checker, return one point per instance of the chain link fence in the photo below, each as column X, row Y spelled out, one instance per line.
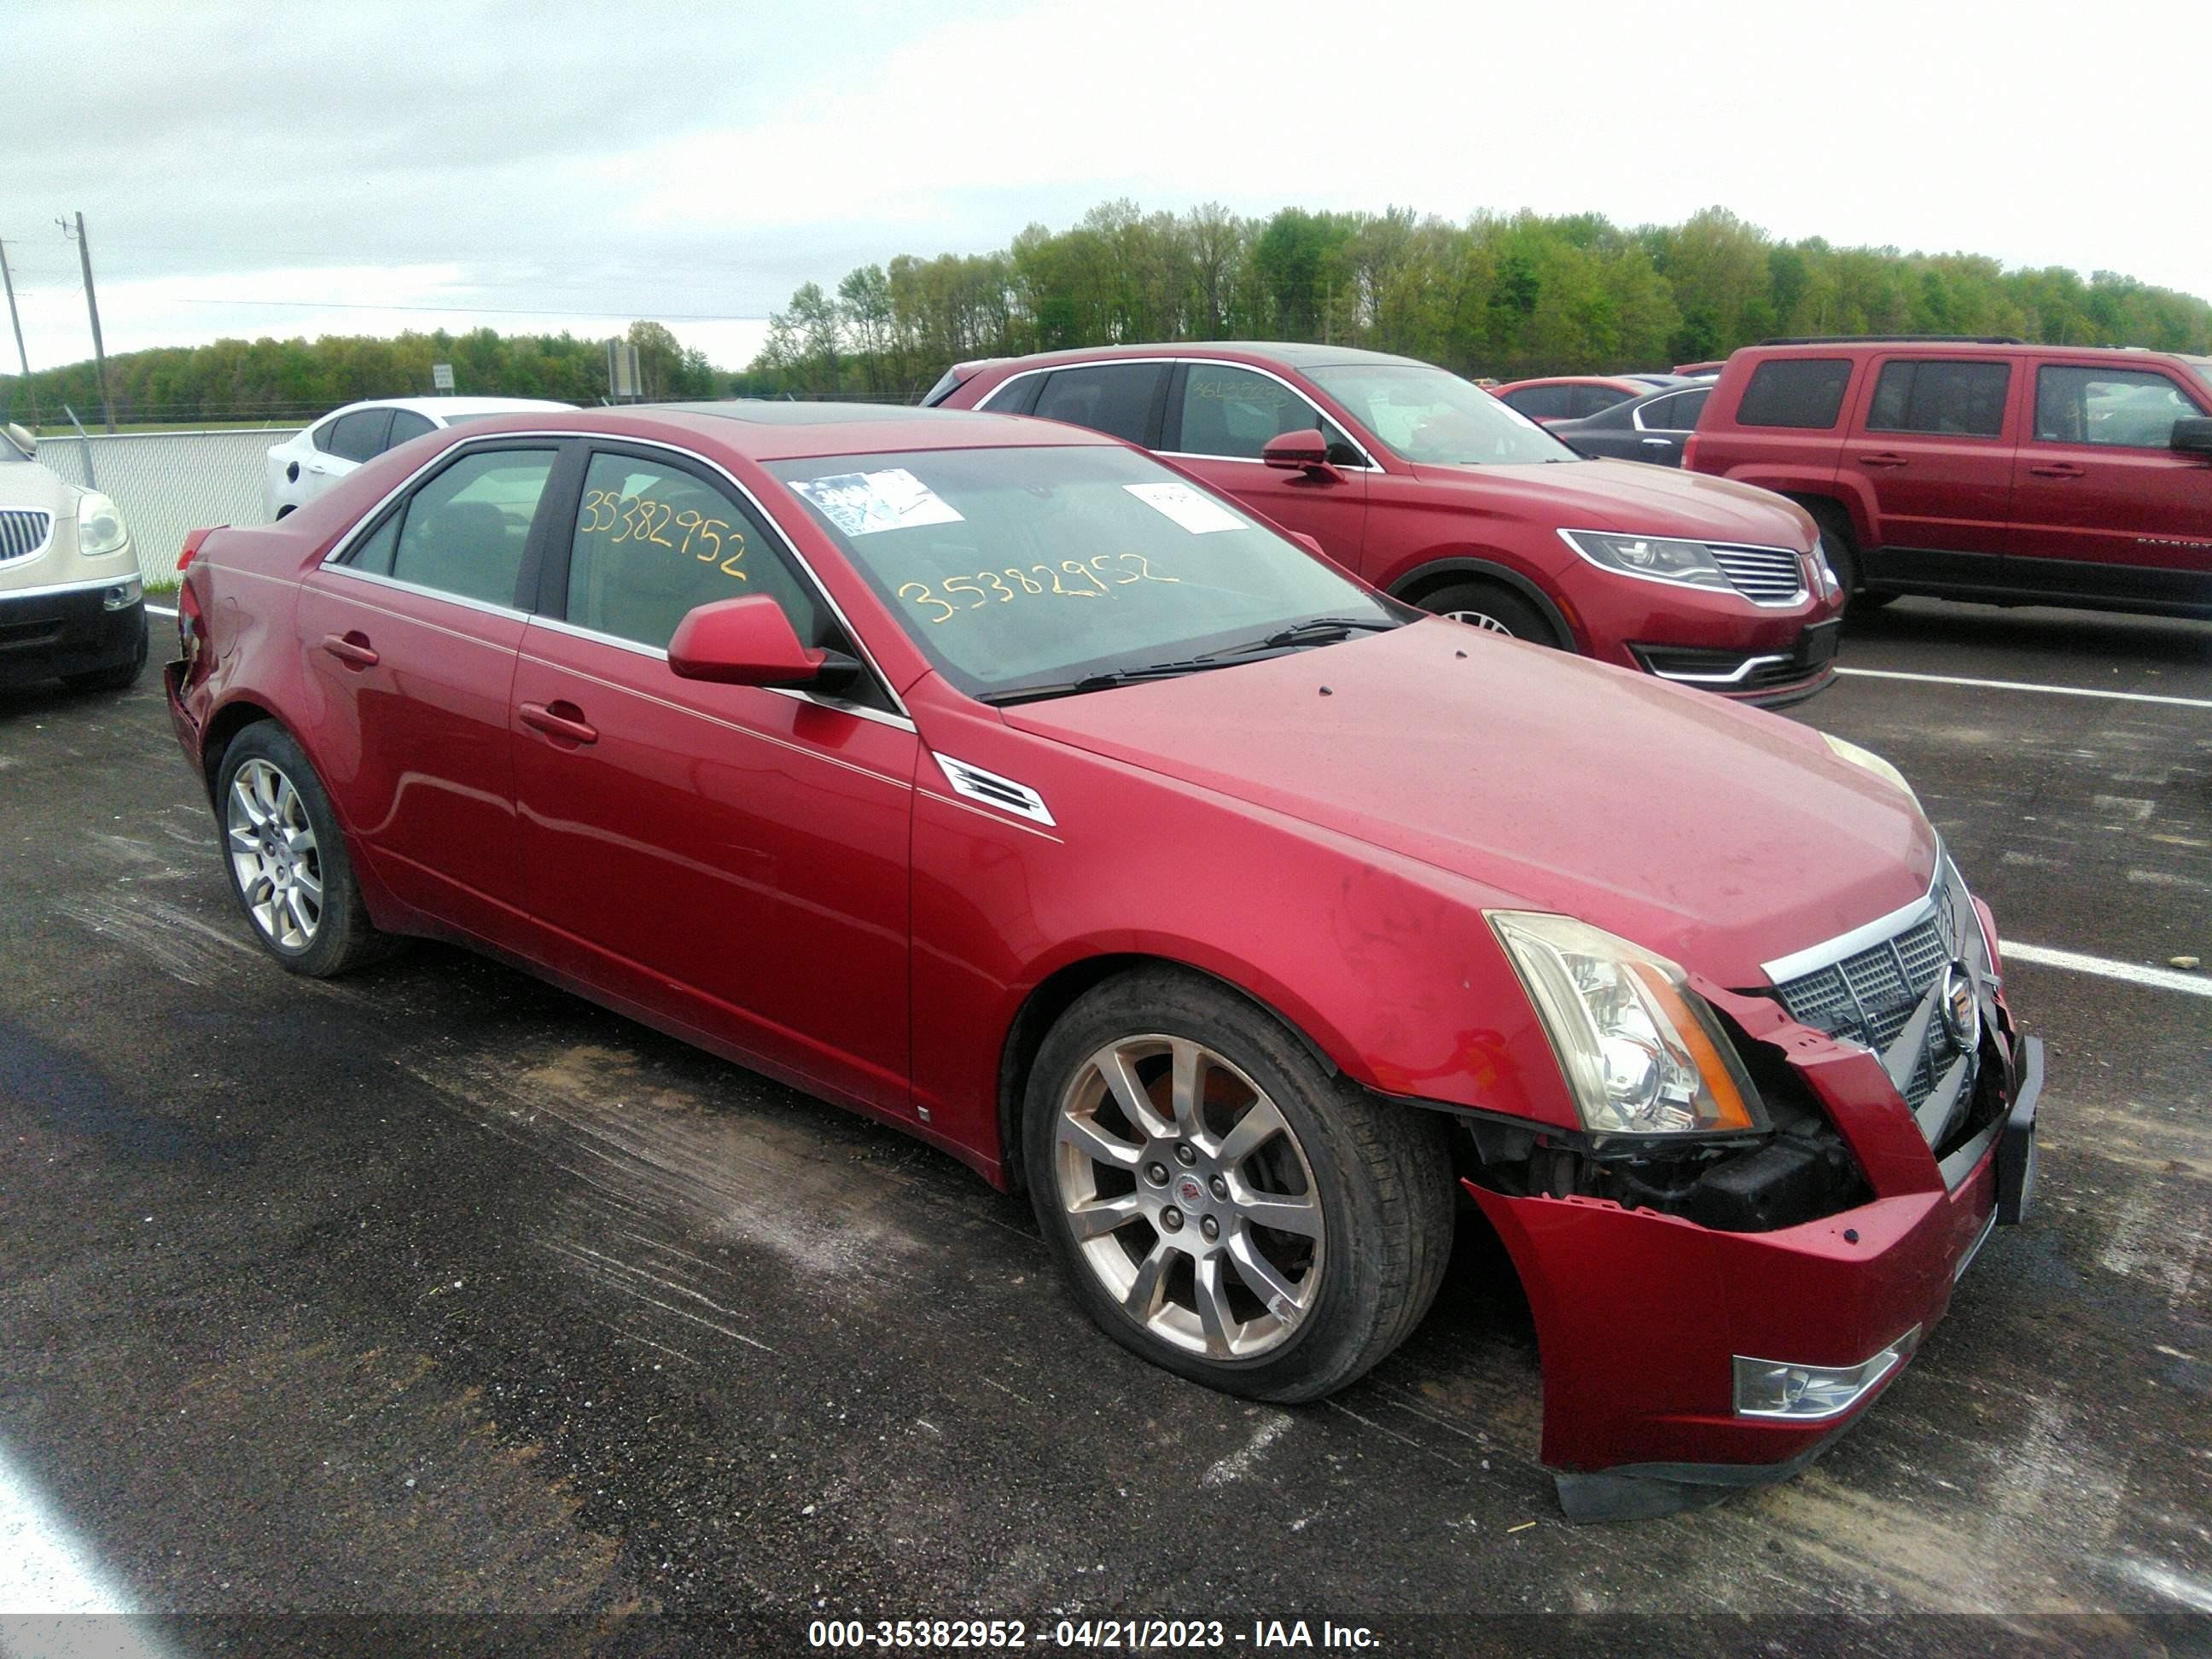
column 169, row 483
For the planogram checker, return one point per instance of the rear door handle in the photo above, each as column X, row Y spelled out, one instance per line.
column 560, row 719
column 1657, row 443
column 352, row 648
column 1882, row 458
column 2055, row 469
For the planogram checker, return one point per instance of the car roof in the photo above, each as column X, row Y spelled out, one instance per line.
column 1939, row 347
column 446, row 406
column 1617, row 381
column 1294, row 353
column 762, row 430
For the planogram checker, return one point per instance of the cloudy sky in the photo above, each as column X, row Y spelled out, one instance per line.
column 312, row 167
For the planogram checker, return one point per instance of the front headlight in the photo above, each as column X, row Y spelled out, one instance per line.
column 1642, row 1053
column 99, row 526
column 1872, row 762
column 1824, row 574
column 1657, row 557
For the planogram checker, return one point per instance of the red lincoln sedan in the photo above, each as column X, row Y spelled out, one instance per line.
column 1436, row 492
column 990, row 778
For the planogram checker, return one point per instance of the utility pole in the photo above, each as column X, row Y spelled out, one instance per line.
column 7, row 279
column 92, row 305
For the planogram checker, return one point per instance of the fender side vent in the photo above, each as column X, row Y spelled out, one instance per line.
column 988, row 788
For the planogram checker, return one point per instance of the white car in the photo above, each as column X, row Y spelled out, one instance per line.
column 312, row 459
column 71, row 605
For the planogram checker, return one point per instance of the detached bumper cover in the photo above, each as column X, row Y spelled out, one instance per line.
column 1641, row 1316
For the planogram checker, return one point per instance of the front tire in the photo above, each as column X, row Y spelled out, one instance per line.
column 287, row 858
column 1222, row 1205
column 1493, row 608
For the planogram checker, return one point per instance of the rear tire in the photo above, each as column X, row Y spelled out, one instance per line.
column 289, row 867
column 1246, row 1219
column 1495, row 609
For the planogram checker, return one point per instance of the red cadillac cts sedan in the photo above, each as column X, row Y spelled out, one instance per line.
column 1433, row 491
column 988, row 777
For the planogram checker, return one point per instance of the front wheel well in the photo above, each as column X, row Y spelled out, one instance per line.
column 1053, row 996
column 1419, row 587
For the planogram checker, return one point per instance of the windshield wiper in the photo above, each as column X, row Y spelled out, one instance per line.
column 1320, row 630
column 1102, row 682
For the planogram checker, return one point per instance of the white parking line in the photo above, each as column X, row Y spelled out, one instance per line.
column 2162, row 979
column 161, row 610
column 2026, row 685
column 43, row 1568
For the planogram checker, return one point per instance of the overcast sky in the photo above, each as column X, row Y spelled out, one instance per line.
column 539, row 167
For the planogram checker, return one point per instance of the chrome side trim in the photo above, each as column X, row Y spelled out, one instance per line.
column 1975, row 1248
column 1741, row 669
column 1798, row 963
column 1368, row 462
column 992, row 790
column 347, row 543
column 439, row 593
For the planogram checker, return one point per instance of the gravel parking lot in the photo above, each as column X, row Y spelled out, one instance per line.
column 434, row 1288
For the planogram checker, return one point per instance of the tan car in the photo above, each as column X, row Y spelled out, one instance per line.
column 72, row 607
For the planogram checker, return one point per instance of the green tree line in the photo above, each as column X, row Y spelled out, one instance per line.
column 1502, row 296
column 297, row 379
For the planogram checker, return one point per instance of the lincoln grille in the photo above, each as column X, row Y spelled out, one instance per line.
column 1764, row 575
column 23, row 533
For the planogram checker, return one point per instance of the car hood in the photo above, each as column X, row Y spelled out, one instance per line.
column 1641, row 500
column 1720, row 836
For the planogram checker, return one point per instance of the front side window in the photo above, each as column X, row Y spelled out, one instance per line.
column 653, row 541
column 1021, row 569
column 1430, row 416
column 1115, row 399
column 1232, row 412
column 1807, row 393
column 2124, row 409
column 465, row 531
column 1963, row 400
column 358, row 436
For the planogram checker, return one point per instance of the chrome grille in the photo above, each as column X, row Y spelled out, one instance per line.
column 1764, row 575
column 1869, row 997
column 23, row 532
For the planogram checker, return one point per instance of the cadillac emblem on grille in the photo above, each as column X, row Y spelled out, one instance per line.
column 1961, row 1008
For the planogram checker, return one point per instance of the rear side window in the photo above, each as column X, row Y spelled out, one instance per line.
column 405, row 424
column 1541, row 403
column 2124, row 409
column 320, row 435
column 465, row 529
column 1115, row 399
column 1799, row 392
column 1596, row 399
column 1958, row 399
column 1014, row 397
column 357, row 437
column 1676, row 414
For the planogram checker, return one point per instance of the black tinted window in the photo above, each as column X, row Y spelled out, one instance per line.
column 405, row 424
column 1016, row 396
column 2126, row 409
column 1799, row 391
column 1541, row 403
column 654, row 542
column 357, row 437
column 1965, row 399
column 320, row 435
column 1676, row 414
column 465, row 529
column 1111, row 397
column 1595, row 400
column 375, row 553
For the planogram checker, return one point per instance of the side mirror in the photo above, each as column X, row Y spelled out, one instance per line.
column 749, row 641
column 1297, row 452
column 2193, row 437
column 23, row 440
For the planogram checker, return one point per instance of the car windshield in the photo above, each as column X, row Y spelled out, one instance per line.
column 1024, row 571
column 1426, row 414
column 2204, row 368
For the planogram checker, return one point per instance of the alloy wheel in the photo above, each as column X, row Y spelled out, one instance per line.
column 1189, row 1197
column 273, row 855
column 1488, row 623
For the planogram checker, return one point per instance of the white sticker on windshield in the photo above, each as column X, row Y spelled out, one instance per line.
column 1197, row 513
column 861, row 503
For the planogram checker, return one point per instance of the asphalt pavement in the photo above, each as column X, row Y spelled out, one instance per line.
column 435, row 1291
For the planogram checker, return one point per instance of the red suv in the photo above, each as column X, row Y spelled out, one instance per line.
column 1434, row 490
column 1982, row 469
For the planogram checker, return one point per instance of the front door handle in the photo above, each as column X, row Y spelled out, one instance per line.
column 2055, row 469
column 352, row 648
column 1657, row 443
column 1882, row 458
column 560, row 719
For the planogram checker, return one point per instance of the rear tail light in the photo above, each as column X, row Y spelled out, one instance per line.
column 190, row 549
column 1690, row 454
